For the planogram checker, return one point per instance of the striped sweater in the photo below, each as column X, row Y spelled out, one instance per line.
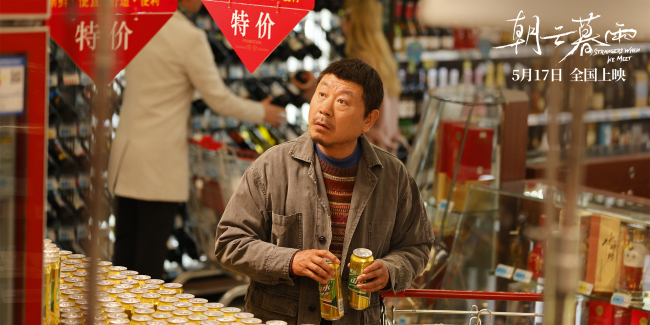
column 339, row 183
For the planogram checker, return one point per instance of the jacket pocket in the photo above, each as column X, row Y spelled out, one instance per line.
column 270, row 305
column 372, row 315
column 286, row 231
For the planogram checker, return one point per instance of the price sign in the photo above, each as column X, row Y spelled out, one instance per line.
column 254, row 28
column 74, row 26
column 522, row 275
column 585, row 288
column 621, row 300
column 504, row 271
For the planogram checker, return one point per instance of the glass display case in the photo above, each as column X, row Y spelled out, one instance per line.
column 500, row 245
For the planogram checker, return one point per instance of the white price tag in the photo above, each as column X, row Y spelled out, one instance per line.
column 522, row 275
column 83, row 130
column 585, row 288
column 67, row 130
column 81, row 231
column 51, row 133
column 504, row 271
column 83, row 181
column 621, row 299
column 67, row 183
column 54, row 80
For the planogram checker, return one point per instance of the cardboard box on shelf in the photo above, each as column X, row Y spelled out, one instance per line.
column 602, row 258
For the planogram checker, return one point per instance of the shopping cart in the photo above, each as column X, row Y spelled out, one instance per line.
column 216, row 170
column 474, row 313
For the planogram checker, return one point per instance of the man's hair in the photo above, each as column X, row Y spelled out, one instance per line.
column 357, row 71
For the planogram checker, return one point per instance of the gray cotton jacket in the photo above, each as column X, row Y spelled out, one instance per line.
column 281, row 206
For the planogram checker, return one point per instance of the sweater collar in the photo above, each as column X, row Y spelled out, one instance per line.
column 303, row 149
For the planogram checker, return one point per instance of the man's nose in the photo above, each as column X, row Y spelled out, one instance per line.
column 326, row 108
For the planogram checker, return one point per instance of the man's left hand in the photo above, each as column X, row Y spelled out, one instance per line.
column 377, row 276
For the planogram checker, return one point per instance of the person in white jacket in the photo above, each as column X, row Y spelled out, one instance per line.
column 148, row 171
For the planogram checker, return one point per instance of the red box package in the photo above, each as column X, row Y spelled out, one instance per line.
column 477, row 156
column 600, row 312
column 639, row 317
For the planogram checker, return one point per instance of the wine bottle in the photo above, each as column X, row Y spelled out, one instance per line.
column 311, row 48
column 337, row 42
column 294, row 93
column 298, row 49
column 256, row 90
column 398, row 37
column 409, row 28
column 448, row 39
column 279, row 93
column 641, row 81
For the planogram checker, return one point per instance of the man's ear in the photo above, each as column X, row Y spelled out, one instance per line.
column 370, row 120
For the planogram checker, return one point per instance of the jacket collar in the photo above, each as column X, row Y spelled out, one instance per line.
column 303, row 149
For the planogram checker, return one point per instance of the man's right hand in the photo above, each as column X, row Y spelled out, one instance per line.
column 273, row 114
column 311, row 263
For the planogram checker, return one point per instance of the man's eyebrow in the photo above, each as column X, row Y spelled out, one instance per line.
column 348, row 92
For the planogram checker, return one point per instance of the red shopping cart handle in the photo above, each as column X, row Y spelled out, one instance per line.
column 459, row 294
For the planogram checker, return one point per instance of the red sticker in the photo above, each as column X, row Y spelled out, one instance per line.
column 74, row 27
column 255, row 28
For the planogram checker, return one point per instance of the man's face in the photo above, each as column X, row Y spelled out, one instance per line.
column 336, row 113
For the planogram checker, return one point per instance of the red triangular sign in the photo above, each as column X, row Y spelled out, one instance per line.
column 73, row 26
column 254, row 28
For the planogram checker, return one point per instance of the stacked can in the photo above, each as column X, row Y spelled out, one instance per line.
column 360, row 259
column 331, row 298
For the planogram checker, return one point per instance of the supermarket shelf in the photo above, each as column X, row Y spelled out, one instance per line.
column 608, row 115
column 507, row 53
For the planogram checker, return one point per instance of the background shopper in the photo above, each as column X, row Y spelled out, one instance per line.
column 149, row 169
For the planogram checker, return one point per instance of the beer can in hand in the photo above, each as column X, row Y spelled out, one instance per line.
column 360, row 259
column 331, row 298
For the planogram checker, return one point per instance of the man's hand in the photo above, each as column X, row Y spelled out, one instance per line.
column 311, row 263
column 377, row 274
column 273, row 114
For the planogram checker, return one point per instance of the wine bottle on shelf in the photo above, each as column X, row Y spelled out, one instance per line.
column 256, row 89
column 641, row 80
column 598, row 93
column 337, row 42
column 295, row 93
column 242, row 143
column 629, row 86
column 279, row 93
column 232, row 55
column 409, row 27
column 398, row 27
column 311, row 48
column 633, row 261
column 298, row 49
column 219, row 51
column 535, row 260
column 448, row 39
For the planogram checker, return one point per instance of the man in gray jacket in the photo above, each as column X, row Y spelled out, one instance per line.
column 324, row 195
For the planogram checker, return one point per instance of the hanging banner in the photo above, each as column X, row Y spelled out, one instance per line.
column 255, row 28
column 74, row 27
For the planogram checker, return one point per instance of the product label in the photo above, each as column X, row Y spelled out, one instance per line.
column 522, row 275
column 585, row 288
column 352, row 284
column 622, row 300
column 504, row 271
column 328, row 294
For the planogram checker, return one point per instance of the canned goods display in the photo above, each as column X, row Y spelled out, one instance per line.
column 213, row 314
column 140, row 319
column 181, row 305
column 115, row 270
column 251, row 321
column 230, row 311
column 360, row 259
column 197, row 318
column 117, row 321
column 198, row 301
column 114, row 310
column 214, row 306
column 125, row 287
column 167, row 308
column 134, row 283
column 161, row 315
column 198, row 310
column 157, row 322
column 167, row 293
column 129, row 274
column 241, row 316
column 167, row 301
column 181, row 313
column 151, row 287
column 72, row 315
column 143, row 311
column 104, row 265
column 331, row 299
column 64, row 310
column 209, row 322
column 151, row 298
column 154, row 281
column 143, row 305
column 276, row 322
column 117, row 315
column 71, row 321
column 226, row 319
column 174, row 286
column 138, row 292
column 184, row 297
column 177, row 320
column 112, row 304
